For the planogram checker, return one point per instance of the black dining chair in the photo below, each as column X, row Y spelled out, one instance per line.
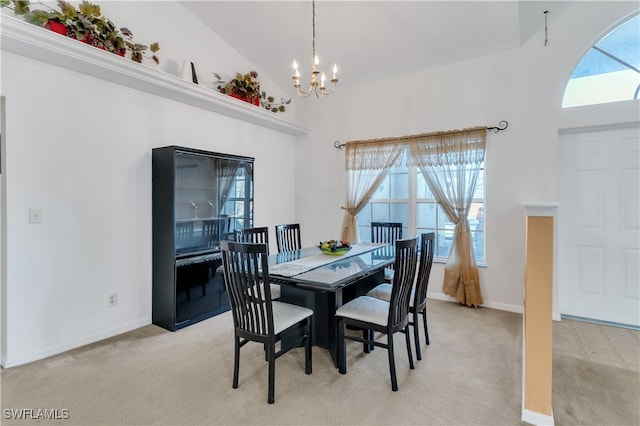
column 211, row 233
column 418, row 301
column 256, row 317
column 288, row 237
column 386, row 233
column 375, row 315
column 184, row 234
column 259, row 235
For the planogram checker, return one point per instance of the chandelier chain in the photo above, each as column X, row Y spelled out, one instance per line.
column 313, row 26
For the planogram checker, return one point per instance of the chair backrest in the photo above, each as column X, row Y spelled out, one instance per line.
column 185, row 239
column 214, row 230
column 245, row 270
column 386, row 232
column 288, row 237
column 184, row 230
column 403, row 277
column 225, row 226
column 258, row 235
column 424, row 269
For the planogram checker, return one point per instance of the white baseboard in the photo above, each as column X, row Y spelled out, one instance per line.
column 8, row 362
column 492, row 305
column 537, row 419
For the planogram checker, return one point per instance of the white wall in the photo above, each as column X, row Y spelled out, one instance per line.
column 79, row 148
column 523, row 86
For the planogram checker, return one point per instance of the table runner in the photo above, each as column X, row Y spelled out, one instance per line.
column 295, row 267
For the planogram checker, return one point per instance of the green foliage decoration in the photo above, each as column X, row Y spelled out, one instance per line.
column 86, row 24
column 247, row 86
column 269, row 103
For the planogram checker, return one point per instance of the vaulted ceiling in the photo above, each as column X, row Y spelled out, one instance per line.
column 368, row 40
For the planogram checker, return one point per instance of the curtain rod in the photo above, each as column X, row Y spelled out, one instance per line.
column 500, row 127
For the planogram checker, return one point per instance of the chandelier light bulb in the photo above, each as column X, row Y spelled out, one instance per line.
column 296, row 75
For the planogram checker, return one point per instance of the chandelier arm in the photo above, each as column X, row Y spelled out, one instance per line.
column 328, row 92
column 304, row 93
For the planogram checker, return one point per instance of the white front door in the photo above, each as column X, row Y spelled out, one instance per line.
column 599, row 220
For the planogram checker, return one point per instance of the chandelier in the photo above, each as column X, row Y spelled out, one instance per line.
column 315, row 86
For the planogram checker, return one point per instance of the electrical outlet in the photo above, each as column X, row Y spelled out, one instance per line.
column 35, row 215
column 112, row 300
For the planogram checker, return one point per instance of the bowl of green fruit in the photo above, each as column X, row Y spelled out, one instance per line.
column 334, row 247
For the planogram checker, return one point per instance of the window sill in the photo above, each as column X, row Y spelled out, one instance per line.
column 43, row 45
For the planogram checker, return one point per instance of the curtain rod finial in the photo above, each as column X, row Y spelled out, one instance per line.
column 501, row 126
column 338, row 145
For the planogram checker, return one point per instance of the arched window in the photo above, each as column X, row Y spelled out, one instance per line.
column 610, row 71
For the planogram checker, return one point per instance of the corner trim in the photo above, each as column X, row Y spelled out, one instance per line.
column 541, row 208
column 537, row 419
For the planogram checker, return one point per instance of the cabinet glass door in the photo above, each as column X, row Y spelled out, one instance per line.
column 214, row 197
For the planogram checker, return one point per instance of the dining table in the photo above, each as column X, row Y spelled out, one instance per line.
column 324, row 282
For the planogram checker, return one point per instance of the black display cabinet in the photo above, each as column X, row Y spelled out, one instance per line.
column 199, row 199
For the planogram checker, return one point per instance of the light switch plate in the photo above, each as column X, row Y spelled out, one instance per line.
column 35, row 215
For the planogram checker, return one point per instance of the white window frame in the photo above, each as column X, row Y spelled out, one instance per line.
column 410, row 225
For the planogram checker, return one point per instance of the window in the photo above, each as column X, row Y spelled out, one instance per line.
column 610, row 71
column 238, row 204
column 405, row 197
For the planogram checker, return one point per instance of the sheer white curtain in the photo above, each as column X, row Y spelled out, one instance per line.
column 226, row 171
column 367, row 164
column 450, row 163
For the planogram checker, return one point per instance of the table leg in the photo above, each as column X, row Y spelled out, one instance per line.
column 332, row 327
column 324, row 304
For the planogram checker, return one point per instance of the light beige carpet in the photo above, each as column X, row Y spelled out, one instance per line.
column 470, row 374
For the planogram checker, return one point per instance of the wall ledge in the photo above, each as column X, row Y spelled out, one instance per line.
column 37, row 43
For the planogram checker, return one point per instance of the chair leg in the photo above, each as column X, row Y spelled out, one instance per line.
column 308, row 363
column 408, row 339
column 426, row 329
column 271, row 355
column 392, row 363
column 236, row 362
column 416, row 335
column 342, row 347
column 367, row 335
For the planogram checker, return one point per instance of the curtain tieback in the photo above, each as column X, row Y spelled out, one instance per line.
column 348, row 210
